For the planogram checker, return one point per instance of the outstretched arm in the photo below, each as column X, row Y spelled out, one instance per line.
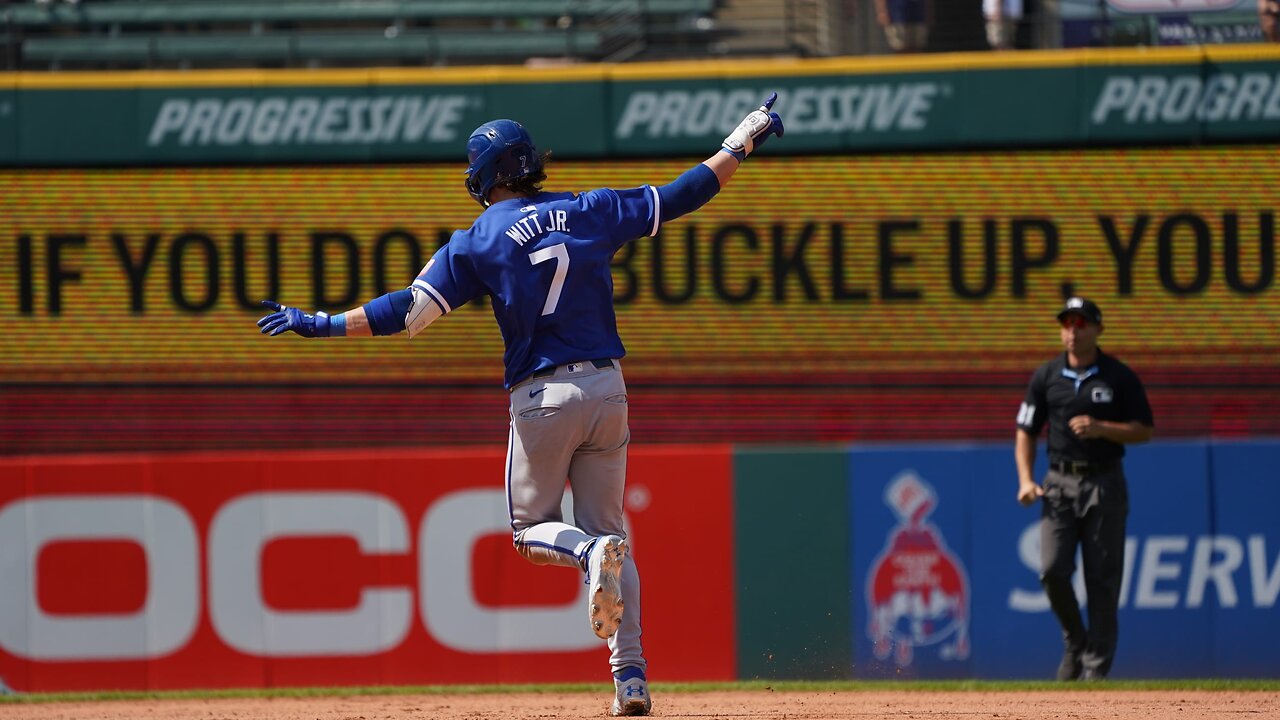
column 699, row 184
column 385, row 315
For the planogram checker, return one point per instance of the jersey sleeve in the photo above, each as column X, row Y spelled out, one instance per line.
column 1034, row 409
column 629, row 214
column 450, row 278
column 1136, row 406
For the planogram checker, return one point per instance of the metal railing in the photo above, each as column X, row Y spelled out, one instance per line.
column 622, row 26
column 809, row 27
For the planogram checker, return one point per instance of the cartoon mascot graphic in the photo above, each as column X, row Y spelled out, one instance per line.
column 917, row 589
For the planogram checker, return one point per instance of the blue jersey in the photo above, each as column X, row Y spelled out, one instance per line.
column 544, row 260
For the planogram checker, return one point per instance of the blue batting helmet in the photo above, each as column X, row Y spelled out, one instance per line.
column 499, row 151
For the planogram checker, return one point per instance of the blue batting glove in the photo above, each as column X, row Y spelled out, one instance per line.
column 754, row 130
column 292, row 319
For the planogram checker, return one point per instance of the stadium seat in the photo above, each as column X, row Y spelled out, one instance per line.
column 132, row 12
column 194, row 33
column 297, row 47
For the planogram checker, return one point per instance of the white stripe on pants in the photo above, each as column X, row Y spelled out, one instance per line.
column 573, row 425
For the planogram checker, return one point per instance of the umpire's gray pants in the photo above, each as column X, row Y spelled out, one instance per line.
column 1088, row 512
column 573, row 425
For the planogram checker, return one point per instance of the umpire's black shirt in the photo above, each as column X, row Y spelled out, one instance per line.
column 1106, row 390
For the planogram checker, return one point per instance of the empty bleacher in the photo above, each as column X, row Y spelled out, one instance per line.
column 131, row 34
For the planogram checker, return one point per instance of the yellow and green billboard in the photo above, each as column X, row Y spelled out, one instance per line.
column 1175, row 95
column 821, row 296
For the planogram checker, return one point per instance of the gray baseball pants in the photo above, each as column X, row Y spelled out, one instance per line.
column 573, row 425
column 1089, row 512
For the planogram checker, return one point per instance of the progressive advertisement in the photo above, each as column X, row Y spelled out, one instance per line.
column 1190, row 95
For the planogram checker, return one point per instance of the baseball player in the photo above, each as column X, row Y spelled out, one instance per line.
column 544, row 257
column 1094, row 405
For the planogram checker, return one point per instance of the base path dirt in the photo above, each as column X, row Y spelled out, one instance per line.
column 1101, row 704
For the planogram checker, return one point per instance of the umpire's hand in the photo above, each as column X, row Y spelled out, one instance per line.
column 1029, row 492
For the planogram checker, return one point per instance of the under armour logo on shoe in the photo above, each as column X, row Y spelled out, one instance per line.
column 633, row 690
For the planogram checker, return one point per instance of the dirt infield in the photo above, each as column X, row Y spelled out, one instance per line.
column 928, row 705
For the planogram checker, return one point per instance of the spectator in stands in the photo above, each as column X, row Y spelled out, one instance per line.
column 905, row 23
column 1269, row 19
column 1003, row 17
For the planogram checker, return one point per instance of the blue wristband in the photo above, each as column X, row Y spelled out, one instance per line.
column 338, row 325
column 737, row 154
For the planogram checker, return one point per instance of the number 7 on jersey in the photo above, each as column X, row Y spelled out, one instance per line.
column 560, row 254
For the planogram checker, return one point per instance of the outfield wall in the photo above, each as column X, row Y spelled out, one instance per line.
column 956, row 594
column 856, row 289
column 913, row 561
column 1186, row 95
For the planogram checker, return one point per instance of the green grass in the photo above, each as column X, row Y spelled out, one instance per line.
column 756, row 685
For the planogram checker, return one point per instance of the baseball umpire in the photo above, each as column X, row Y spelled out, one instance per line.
column 544, row 257
column 1094, row 405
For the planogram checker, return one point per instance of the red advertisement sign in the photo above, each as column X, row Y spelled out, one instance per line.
column 304, row 569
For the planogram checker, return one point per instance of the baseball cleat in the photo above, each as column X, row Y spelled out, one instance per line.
column 1069, row 669
column 631, row 693
column 604, row 575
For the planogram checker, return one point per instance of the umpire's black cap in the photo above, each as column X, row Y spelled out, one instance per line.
column 1083, row 307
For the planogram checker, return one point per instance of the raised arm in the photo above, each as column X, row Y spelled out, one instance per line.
column 696, row 186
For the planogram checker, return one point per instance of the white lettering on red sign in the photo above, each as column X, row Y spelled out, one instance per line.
column 238, row 533
column 244, row 526
column 449, row 608
column 159, row 526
